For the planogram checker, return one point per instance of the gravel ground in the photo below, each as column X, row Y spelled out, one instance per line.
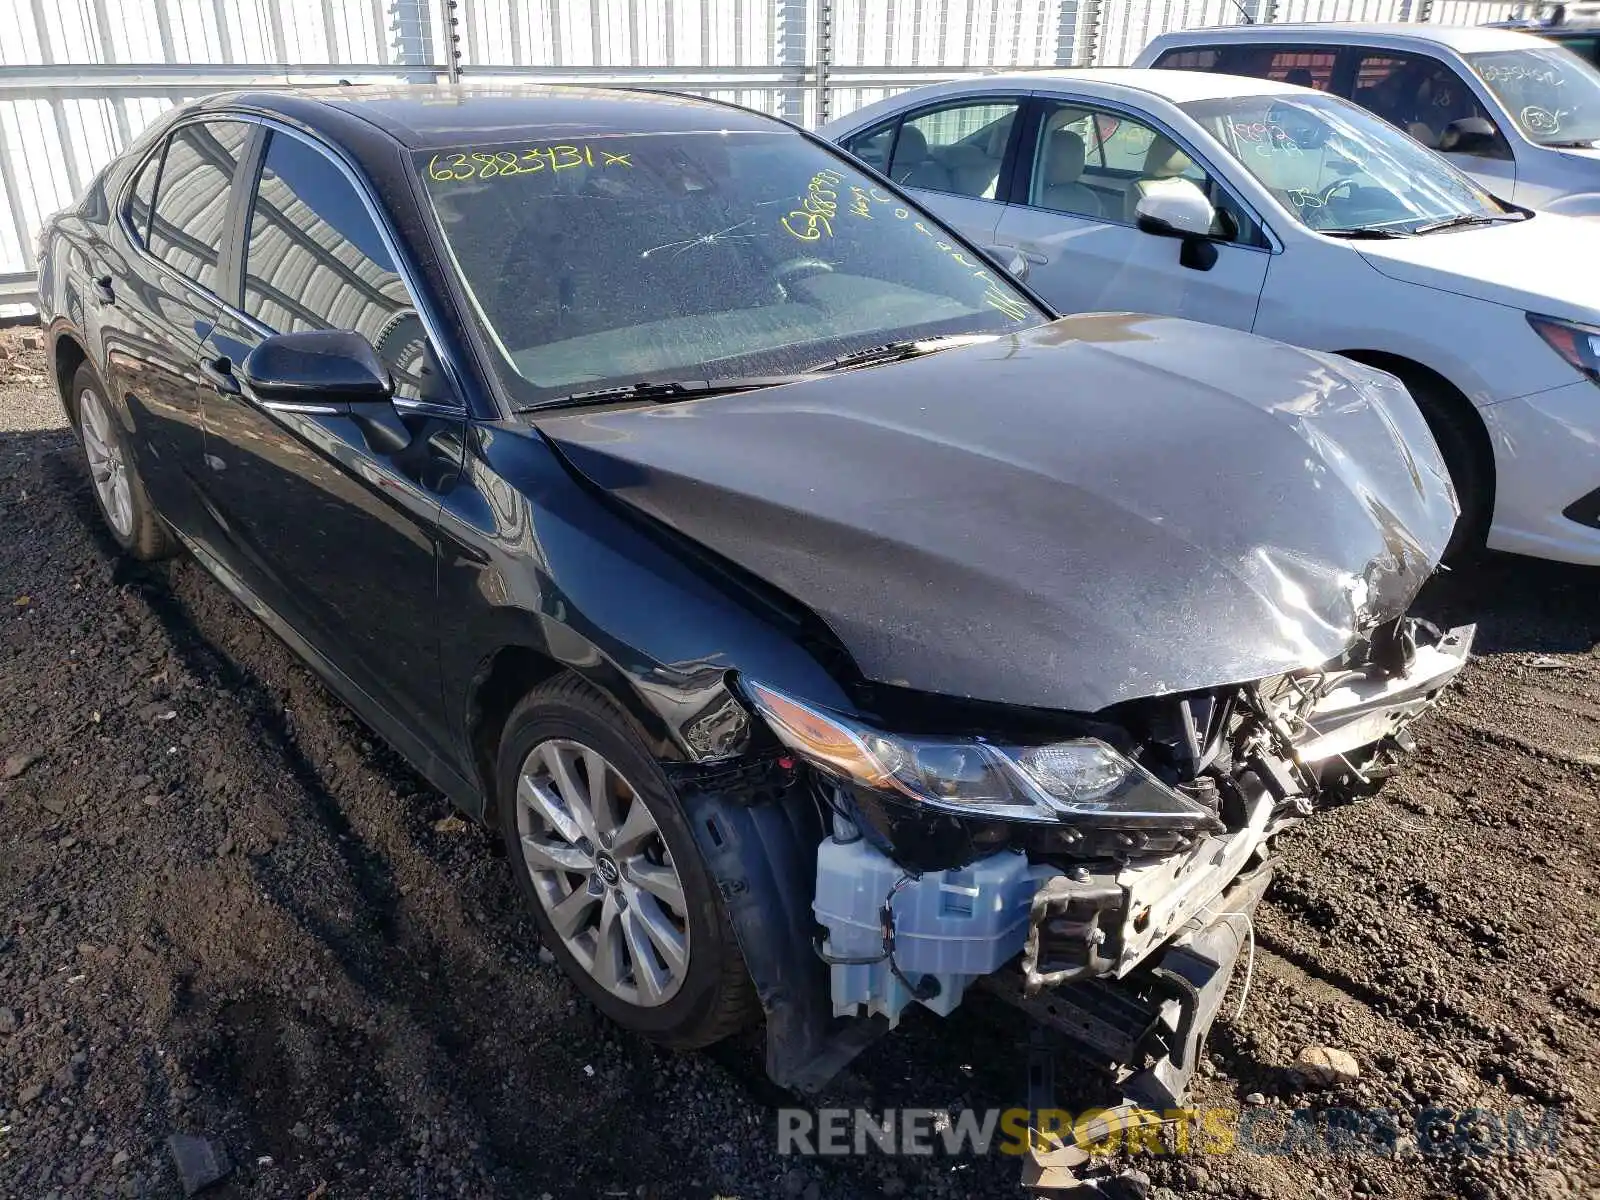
column 27, row 397
column 225, row 911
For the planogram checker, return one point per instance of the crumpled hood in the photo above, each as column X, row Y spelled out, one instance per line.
column 1099, row 509
column 1529, row 265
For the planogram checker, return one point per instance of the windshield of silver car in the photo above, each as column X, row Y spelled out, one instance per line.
column 593, row 261
column 1551, row 93
column 1339, row 169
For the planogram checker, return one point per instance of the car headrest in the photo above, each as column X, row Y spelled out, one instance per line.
column 1061, row 118
column 1164, row 160
column 959, row 157
column 1063, row 158
column 998, row 136
column 911, row 148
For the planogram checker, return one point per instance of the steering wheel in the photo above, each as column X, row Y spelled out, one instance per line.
column 402, row 346
column 1310, row 202
column 1349, row 181
column 796, row 269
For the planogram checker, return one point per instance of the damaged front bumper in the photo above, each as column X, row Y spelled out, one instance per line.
column 1124, row 943
column 1364, row 708
column 1076, row 933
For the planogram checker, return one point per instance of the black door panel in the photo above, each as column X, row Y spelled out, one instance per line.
column 333, row 534
column 330, row 516
column 161, row 312
column 159, row 325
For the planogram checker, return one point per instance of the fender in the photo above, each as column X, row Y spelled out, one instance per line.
column 1579, row 204
column 530, row 558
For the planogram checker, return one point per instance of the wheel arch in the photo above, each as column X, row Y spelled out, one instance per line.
column 502, row 679
column 760, row 854
column 1411, row 372
column 508, row 673
column 68, row 354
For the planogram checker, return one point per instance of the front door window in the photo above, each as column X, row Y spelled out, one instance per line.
column 315, row 260
column 1098, row 164
column 1418, row 94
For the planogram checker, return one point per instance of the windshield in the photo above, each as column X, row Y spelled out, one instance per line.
column 1337, row 167
column 1551, row 93
column 624, row 259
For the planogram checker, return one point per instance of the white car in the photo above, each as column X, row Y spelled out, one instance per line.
column 1299, row 216
column 1516, row 112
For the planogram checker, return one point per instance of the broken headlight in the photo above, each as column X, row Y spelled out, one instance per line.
column 1082, row 780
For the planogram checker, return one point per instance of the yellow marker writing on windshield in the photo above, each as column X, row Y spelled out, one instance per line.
column 491, row 164
column 814, row 218
column 818, row 208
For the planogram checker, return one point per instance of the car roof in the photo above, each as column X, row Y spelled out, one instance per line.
column 1557, row 33
column 1463, row 39
column 1176, row 86
column 439, row 116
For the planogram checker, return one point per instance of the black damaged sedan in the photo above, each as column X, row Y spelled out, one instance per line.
column 826, row 627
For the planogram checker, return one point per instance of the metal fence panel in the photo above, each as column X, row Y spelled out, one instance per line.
column 79, row 81
column 1471, row 12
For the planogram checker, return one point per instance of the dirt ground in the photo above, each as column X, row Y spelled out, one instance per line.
column 225, row 910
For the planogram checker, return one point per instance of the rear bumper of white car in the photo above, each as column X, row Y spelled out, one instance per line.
column 1547, row 459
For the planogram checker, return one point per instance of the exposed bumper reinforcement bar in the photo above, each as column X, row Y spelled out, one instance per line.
column 1161, row 1011
column 1362, row 711
column 1198, row 967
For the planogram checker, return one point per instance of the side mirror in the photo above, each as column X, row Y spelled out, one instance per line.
column 1175, row 208
column 333, row 368
column 1470, row 135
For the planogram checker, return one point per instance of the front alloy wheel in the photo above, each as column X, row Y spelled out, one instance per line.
column 601, row 870
column 603, row 855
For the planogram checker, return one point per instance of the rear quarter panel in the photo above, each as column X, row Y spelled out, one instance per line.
column 78, row 245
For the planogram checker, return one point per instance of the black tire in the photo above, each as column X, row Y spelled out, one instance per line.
column 1469, row 459
column 715, row 998
column 147, row 536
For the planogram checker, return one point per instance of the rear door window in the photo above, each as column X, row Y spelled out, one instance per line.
column 141, row 195
column 1304, row 66
column 190, row 214
column 1196, row 58
column 1309, row 66
column 1586, row 47
column 958, row 149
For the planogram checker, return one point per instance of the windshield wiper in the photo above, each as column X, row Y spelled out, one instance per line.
column 664, row 390
column 1364, row 233
column 1461, row 220
column 895, row 351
